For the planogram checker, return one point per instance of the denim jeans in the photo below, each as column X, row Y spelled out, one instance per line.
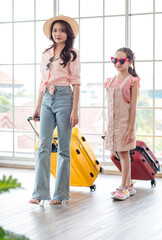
column 55, row 111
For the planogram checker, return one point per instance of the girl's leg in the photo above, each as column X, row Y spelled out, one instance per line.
column 125, row 167
column 130, row 184
column 42, row 173
column 122, row 192
column 129, row 179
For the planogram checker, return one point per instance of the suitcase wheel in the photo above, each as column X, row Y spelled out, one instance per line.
column 153, row 183
column 101, row 170
column 93, row 187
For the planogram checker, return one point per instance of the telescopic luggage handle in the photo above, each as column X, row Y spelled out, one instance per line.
column 29, row 120
column 103, row 137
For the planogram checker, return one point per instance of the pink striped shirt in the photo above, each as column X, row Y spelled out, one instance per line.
column 57, row 75
column 126, row 88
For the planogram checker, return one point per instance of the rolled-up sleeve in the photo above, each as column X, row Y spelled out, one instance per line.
column 42, row 69
column 75, row 70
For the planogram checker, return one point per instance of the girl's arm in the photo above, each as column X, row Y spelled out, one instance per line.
column 134, row 94
column 133, row 105
column 74, row 114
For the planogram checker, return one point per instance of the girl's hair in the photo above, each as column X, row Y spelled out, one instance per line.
column 130, row 55
column 66, row 52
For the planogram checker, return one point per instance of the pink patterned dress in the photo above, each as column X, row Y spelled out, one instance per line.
column 118, row 95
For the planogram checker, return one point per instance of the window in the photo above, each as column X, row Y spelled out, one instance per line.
column 145, row 40
column 22, row 43
column 103, row 29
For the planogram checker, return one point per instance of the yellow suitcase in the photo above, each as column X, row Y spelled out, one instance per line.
column 84, row 165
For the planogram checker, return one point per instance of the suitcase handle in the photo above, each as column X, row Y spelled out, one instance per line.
column 29, row 120
column 148, row 157
column 103, row 137
column 146, row 154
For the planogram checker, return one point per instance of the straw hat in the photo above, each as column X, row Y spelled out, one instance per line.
column 47, row 25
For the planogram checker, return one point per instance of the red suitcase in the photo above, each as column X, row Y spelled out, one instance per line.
column 144, row 164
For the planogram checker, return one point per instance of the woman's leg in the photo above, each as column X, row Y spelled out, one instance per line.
column 42, row 172
column 63, row 157
column 63, row 108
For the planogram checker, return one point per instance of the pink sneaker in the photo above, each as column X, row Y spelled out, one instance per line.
column 121, row 194
column 131, row 190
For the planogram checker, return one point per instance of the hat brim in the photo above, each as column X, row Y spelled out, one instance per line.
column 73, row 24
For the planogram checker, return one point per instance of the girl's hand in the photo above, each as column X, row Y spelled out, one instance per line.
column 129, row 136
column 74, row 118
column 36, row 114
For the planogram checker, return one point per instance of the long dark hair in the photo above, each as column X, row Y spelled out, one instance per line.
column 66, row 52
column 130, row 55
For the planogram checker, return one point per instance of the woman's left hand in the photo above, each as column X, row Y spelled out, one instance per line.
column 74, row 118
column 129, row 136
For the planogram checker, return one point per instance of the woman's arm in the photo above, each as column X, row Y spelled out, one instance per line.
column 38, row 107
column 74, row 114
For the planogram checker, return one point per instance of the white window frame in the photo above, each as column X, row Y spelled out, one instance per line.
column 127, row 43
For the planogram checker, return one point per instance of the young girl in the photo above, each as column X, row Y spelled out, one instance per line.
column 57, row 106
column 122, row 91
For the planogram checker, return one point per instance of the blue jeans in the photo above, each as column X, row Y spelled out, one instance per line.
column 55, row 111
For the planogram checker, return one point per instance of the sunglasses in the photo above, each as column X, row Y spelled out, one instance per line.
column 120, row 60
column 50, row 61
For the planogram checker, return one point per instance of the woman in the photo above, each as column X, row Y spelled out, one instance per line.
column 57, row 106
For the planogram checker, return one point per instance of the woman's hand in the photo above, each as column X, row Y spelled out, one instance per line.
column 74, row 118
column 129, row 136
column 74, row 114
column 36, row 114
column 38, row 106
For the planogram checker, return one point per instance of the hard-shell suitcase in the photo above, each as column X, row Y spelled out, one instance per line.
column 84, row 165
column 144, row 164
